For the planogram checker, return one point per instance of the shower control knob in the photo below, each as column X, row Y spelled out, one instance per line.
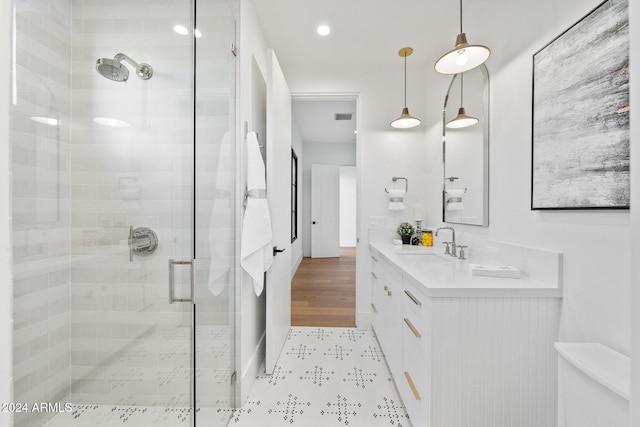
column 142, row 241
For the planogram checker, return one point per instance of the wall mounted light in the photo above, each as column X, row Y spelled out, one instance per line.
column 463, row 57
column 462, row 120
column 405, row 121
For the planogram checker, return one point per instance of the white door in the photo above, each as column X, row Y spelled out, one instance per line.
column 325, row 211
column 278, row 286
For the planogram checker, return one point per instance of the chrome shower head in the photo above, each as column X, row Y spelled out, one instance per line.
column 113, row 69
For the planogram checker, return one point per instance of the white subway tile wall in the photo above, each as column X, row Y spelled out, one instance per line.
column 40, row 137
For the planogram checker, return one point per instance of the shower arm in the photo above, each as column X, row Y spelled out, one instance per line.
column 122, row 57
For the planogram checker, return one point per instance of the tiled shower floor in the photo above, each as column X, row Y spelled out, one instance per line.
column 325, row 377
column 135, row 416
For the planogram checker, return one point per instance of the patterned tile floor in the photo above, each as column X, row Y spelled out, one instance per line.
column 325, row 377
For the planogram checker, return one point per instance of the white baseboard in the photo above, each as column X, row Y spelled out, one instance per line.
column 363, row 320
column 252, row 369
column 296, row 264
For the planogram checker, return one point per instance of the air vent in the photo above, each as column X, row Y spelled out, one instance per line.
column 343, row 116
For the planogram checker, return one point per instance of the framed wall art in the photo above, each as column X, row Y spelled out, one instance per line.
column 580, row 131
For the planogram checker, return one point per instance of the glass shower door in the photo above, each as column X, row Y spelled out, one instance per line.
column 132, row 208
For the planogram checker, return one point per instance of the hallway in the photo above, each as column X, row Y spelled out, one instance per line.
column 323, row 291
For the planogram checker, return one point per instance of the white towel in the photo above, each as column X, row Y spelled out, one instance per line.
column 454, row 200
column 221, row 240
column 256, row 247
column 396, row 200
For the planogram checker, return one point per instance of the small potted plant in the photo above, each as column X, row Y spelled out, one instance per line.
column 406, row 230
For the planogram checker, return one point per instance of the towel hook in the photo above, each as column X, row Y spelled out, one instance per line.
column 406, row 183
column 246, row 132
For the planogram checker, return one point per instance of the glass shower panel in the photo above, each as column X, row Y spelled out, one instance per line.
column 215, row 211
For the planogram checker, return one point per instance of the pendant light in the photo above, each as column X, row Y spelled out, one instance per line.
column 462, row 120
column 405, row 121
column 463, row 57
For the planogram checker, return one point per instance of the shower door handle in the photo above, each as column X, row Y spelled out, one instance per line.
column 172, row 278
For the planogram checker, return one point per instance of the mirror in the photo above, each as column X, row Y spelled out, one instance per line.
column 465, row 189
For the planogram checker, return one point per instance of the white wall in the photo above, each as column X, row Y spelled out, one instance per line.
column 348, row 194
column 6, row 325
column 634, row 10
column 319, row 154
column 251, row 315
column 595, row 243
column 382, row 152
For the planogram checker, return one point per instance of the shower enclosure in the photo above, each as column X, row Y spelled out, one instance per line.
column 123, row 210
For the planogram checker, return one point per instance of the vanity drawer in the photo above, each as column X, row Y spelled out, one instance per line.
column 375, row 262
column 413, row 300
column 415, row 379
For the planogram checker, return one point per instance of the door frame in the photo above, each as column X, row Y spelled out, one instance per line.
column 336, row 96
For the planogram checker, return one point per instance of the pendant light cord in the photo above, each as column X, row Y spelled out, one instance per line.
column 405, row 79
column 461, row 88
column 461, row 16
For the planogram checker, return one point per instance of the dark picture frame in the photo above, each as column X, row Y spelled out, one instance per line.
column 580, row 114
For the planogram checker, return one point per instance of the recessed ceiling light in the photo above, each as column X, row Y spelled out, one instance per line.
column 181, row 30
column 45, row 121
column 323, row 30
column 108, row 121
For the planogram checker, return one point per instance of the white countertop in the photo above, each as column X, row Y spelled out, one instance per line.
column 444, row 276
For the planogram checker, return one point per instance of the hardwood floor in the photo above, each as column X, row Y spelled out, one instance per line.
column 323, row 291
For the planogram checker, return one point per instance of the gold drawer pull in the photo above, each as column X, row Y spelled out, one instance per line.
column 415, row 300
column 413, row 328
column 374, row 275
column 386, row 288
column 374, row 308
column 413, row 387
column 389, row 293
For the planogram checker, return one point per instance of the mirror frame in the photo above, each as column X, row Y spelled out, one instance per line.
column 485, row 149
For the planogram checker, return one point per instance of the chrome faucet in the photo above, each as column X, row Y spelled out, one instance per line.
column 453, row 242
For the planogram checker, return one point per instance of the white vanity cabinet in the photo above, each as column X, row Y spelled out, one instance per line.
column 470, row 356
column 386, row 299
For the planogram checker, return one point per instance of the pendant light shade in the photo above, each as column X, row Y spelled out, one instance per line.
column 462, row 120
column 464, row 56
column 405, row 121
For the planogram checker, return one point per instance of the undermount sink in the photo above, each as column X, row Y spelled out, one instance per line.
column 422, row 253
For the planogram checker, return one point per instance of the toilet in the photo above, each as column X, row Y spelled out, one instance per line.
column 593, row 386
